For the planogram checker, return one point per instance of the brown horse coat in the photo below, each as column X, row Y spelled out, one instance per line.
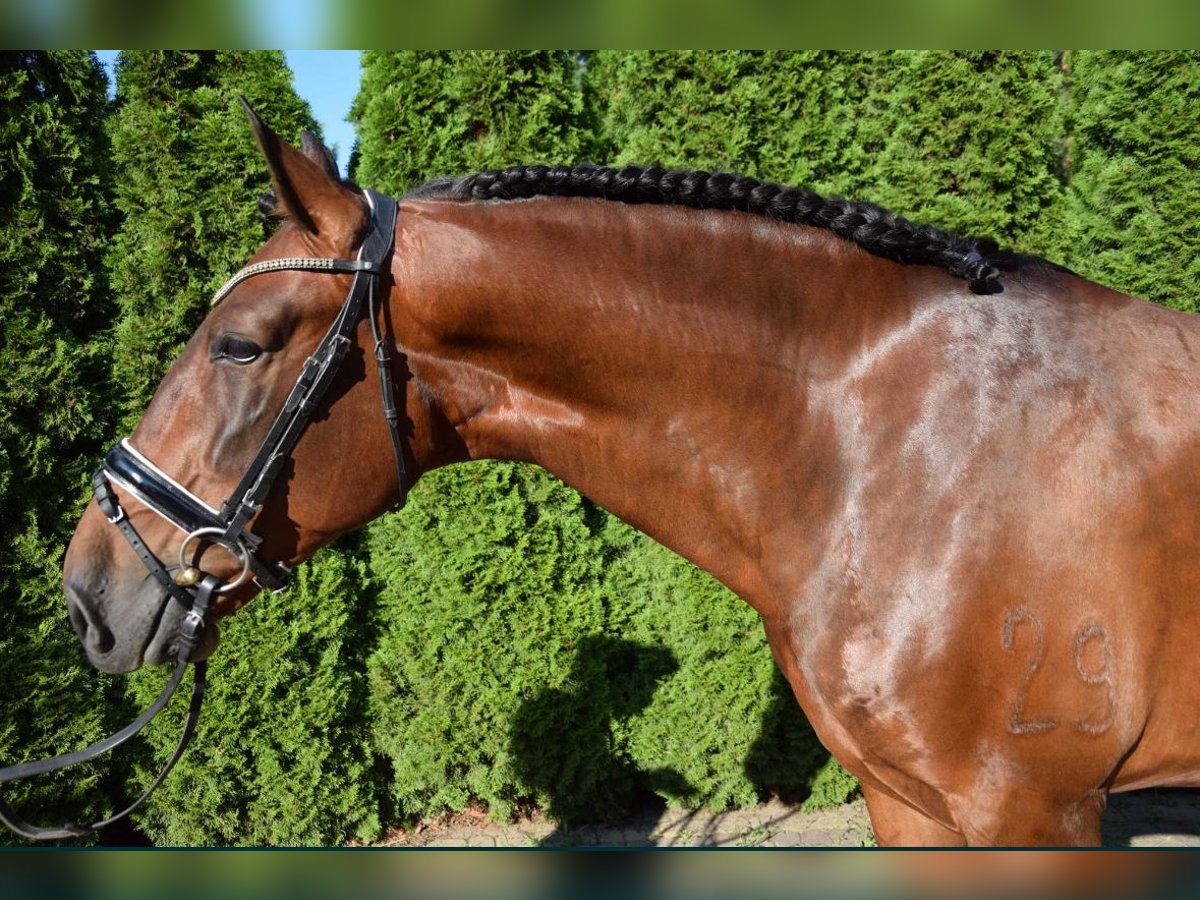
column 967, row 521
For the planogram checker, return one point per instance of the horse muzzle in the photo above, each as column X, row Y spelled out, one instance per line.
column 143, row 628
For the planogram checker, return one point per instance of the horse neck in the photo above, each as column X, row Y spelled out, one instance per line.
column 657, row 359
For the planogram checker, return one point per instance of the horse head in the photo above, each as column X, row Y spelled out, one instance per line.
column 223, row 398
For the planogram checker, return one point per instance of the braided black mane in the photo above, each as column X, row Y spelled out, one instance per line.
column 978, row 260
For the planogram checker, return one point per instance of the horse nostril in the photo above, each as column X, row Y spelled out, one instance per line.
column 92, row 633
column 78, row 619
column 102, row 639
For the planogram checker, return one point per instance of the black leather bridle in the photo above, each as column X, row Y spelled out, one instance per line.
column 228, row 527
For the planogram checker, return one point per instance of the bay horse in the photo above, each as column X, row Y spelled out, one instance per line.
column 958, row 484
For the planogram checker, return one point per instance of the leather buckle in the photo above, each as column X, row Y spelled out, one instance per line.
column 285, row 582
column 189, row 629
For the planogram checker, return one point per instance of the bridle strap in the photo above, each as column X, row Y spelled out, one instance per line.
column 318, row 373
column 158, row 491
column 387, row 388
column 70, row 830
column 280, row 264
column 106, row 499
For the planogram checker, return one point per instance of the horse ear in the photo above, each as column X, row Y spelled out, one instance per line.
column 312, row 147
column 309, row 192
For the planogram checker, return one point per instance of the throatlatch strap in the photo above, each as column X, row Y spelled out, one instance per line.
column 385, row 216
column 387, row 394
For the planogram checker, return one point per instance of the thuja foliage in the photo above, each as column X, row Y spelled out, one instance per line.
column 424, row 113
column 966, row 141
column 1133, row 155
column 724, row 729
column 789, row 117
column 54, row 212
column 488, row 585
column 281, row 755
column 533, row 651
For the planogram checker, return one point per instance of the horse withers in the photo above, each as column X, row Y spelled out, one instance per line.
column 956, row 483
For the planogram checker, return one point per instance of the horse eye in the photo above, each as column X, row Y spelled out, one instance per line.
column 236, row 349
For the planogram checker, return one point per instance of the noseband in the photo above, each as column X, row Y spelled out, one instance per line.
column 228, row 526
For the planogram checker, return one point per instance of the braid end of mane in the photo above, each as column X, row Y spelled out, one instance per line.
column 982, row 277
column 985, row 286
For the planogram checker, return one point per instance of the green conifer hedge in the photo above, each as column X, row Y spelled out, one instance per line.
column 424, row 113
column 1132, row 158
column 969, row 141
column 54, row 219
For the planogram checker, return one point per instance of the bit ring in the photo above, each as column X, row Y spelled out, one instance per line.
column 217, row 536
